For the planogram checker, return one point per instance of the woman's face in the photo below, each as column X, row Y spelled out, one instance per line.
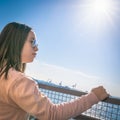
column 30, row 49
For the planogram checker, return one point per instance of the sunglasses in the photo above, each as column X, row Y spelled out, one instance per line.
column 34, row 43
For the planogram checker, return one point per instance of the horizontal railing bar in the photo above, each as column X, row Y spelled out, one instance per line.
column 66, row 90
column 63, row 90
column 84, row 117
column 113, row 100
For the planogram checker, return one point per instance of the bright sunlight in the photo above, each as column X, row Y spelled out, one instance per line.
column 97, row 14
column 102, row 6
column 103, row 10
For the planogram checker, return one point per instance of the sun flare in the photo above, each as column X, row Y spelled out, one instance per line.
column 97, row 14
column 102, row 6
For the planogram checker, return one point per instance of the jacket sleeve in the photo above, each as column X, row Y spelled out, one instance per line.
column 26, row 94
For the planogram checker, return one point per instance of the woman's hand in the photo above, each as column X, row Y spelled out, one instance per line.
column 100, row 92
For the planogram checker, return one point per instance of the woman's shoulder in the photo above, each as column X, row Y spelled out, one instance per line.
column 16, row 76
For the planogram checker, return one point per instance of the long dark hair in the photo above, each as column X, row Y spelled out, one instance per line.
column 12, row 39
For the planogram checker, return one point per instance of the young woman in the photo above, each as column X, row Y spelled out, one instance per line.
column 19, row 94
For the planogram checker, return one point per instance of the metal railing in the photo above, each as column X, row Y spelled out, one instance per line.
column 108, row 109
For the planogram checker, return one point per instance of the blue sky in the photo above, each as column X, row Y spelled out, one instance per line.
column 78, row 40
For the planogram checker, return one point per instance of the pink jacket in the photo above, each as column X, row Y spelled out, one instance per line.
column 20, row 97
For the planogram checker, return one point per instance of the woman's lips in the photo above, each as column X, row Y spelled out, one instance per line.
column 34, row 54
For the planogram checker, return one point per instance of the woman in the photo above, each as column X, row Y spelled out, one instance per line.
column 19, row 94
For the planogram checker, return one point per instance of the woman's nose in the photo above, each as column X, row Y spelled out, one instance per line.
column 36, row 48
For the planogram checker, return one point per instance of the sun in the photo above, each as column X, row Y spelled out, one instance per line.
column 102, row 6
column 97, row 14
column 102, row 10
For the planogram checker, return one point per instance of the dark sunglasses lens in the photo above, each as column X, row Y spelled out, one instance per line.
column 34, row 44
